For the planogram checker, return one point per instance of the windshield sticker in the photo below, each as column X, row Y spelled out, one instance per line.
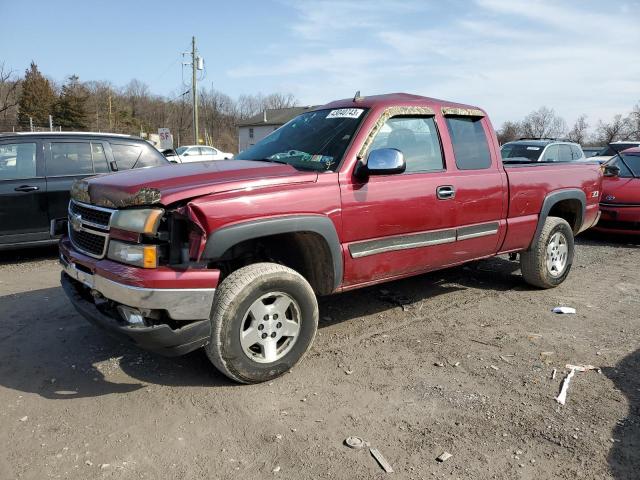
column 345, row 113
column 533, row 148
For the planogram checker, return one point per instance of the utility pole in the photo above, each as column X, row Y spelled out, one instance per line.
column 31, row 124
column 197, row 63
column 50, row 123
column 194, row 89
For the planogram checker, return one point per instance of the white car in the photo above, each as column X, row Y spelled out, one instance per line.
column 201, row 153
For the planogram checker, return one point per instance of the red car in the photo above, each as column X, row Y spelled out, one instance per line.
column 620, row 204
column 230, row 256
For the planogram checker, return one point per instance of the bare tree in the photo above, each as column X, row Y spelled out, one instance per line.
column 578, row 132
column 617, row 129
column 9, row 89
column 509, row 132
column 543, row 123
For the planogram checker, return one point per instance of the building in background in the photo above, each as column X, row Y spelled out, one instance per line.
column 254, row 129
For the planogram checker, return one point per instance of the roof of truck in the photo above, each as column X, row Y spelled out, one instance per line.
column 394, row 99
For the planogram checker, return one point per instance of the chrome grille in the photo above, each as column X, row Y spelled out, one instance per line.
column 91, row 214
column 89, row 228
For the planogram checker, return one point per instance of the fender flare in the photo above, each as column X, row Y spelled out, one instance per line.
column 226, row 237
column 552, row 199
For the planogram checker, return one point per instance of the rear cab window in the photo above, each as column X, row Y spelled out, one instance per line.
column 469, row 140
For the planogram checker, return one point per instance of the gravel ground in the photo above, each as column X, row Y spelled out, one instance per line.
column 458, row 361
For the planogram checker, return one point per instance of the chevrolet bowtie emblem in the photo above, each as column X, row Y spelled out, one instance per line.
column 76, row 222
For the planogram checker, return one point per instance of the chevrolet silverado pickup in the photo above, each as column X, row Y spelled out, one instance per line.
column 231, row 256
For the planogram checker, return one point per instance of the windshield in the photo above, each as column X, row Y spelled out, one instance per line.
column 613, row 148
column 519, row 150
column 181, row 150
column 629, row 165
column 312, row 141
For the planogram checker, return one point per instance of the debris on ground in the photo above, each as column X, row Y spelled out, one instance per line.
column 562, row 396
column 24, row 419
column 553, row 374
column 386, row 466
column 355, row 442
column 438, row 364
column 583, row 368
column 444, row 457
column 565, row 310
column 276, row 470
column 395, row 299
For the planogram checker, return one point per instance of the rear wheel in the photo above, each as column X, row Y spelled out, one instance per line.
column 263, row 321
column 547, row 263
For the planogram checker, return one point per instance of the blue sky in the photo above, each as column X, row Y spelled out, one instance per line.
column 508, row 56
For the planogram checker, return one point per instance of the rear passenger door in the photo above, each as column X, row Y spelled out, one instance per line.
column 67, row 161
column 23, row 190
column 480, row 188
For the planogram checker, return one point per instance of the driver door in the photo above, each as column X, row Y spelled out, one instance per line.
column 397, row 224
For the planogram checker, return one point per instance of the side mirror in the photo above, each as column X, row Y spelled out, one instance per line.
column 185, row 154
column 383, row 161
column 611, row 171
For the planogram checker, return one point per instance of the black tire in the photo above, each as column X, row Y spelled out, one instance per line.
column 233, row 299
column 533, row 262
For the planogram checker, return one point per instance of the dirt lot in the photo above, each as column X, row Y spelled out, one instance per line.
column 463, row 367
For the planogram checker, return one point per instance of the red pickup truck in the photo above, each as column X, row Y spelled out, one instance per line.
column 231, row 255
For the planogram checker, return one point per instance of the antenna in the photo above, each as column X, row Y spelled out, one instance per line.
column 357, row 97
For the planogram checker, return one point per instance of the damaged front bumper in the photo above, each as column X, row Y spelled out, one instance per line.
column 168, row 321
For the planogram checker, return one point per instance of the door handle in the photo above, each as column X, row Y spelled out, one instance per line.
column 26, row 188
column 445, row 192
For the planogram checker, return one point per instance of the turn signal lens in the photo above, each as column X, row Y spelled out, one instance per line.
column 145, row 256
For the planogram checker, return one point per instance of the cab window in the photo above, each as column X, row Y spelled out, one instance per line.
column 416, row 138
column 469, row 141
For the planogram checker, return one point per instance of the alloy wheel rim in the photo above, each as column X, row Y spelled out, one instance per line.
column 557, row 253
column 270, row 327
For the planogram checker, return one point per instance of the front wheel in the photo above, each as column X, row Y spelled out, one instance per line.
column 263, row 321
column 547, row 263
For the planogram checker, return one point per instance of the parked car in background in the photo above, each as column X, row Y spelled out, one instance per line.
column 528, row 150
column 608, row 152
column 591, row 151
column 230, row 256
column 38, row 169
column 196, row 153
column 620, row 203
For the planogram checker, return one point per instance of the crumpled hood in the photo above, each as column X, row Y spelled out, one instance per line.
column 166, row 185
column 621, row 190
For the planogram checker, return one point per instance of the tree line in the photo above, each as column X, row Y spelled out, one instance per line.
column 134, row 109
column 545, row 123
column 28, row 101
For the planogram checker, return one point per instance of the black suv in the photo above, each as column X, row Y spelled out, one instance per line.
column 38, row 169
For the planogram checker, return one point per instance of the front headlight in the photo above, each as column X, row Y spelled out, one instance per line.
column 139, row 220
column 145, row 256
